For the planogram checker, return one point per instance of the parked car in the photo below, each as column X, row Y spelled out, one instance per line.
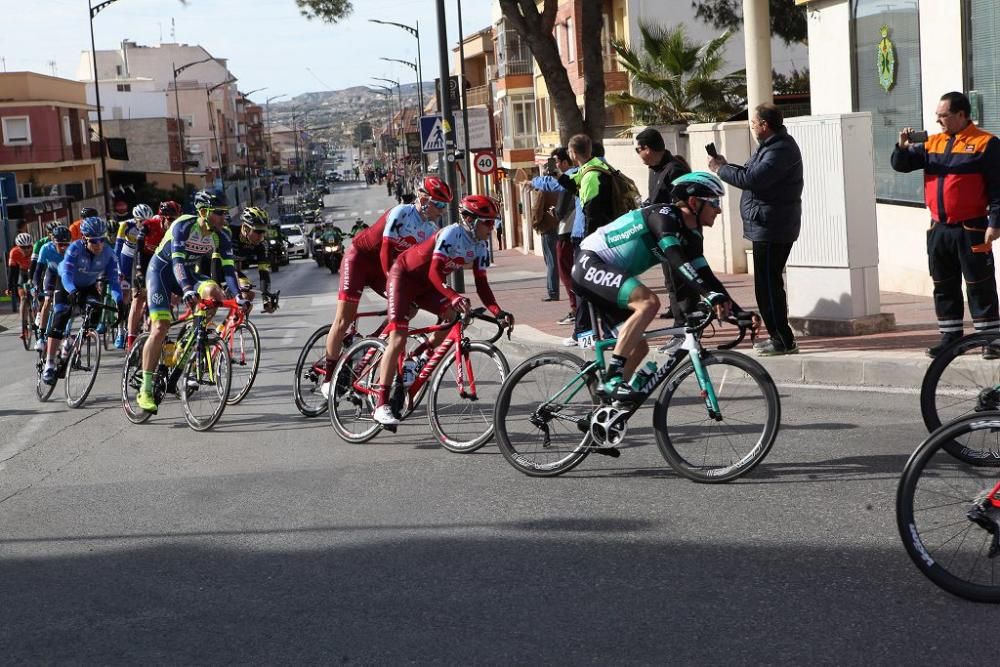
column 297, row 246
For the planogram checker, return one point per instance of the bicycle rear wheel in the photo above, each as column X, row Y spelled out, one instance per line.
column 350, row 404
column 245, row 354
column 542, row 416
column 946, row 508
column 959, row 382
column 308, row 380
column 81, row 368
column 132, row 381
column 204, row 384
column 712, row 449
column 463, row 423
column 26, row 333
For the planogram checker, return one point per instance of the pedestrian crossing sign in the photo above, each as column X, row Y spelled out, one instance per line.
column 431, row 134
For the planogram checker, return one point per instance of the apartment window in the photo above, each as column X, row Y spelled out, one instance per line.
column 124, row 87
column 522, row 121
column 901, row 105
column 118, row 70
column 188, row 122
column 67, row 131
column 982, row 20
column 558, row 37
column 16, row 131
column 570, row 41
column 84, row 132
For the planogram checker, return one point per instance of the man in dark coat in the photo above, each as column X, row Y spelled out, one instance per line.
column 664, row 167
column 771, row 208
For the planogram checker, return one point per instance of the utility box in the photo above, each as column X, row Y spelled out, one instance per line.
column 832, row 272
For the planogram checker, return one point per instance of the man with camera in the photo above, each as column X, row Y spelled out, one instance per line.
column 962, row 191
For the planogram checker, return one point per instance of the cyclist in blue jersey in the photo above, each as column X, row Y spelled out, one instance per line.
column 86, row 261
column 126, row 248
column 46, row 275
column 189, row 243
column 610, row 260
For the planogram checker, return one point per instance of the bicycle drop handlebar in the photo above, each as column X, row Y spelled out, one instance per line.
column 480, row 314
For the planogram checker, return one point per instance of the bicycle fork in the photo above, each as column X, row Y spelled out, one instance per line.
column 704, row 381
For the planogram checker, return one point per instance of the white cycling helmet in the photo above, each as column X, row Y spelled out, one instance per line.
column 142, row 212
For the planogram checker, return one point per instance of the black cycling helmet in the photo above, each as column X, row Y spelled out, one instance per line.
column 88, row 212
column 60, row 234
column 209, row 199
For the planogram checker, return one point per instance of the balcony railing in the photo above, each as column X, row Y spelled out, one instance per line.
column 611, row 63
column 478, row 95
column 511, row 67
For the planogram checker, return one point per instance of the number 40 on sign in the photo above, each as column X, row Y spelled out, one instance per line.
column 485, row 163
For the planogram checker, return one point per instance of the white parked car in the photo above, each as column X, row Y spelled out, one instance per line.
column 297, row 240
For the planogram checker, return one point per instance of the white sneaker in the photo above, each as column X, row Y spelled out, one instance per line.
column 569, row 342
column 325, row 389
column 39, row 345
column 383, row 415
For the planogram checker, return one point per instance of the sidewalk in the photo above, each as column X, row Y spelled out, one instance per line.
column 893, row 359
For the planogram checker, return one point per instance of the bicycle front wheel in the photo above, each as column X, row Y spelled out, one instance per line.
column 542, row 416
column 42, row 390
column 244, row 350
column 960, row 382
column 132, row 382
column 351, row 402
column 717, row 448
column 204, row 384
column 948, row 509
column 308, row 380
column 81, row 369
column 463, row 397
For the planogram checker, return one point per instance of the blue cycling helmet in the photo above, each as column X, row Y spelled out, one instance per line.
column 60, row 234
column 93, row 227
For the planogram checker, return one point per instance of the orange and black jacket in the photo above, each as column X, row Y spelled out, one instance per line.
column 961, row 175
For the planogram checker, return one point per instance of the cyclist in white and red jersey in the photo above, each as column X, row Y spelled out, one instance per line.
column 372, row 253
column 419, row 274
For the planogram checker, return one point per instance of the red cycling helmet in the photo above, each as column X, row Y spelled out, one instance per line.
column 170, row 209
column 480, row 206
column 436, row 189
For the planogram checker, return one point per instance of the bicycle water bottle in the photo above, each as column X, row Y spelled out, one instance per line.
column 409, row 372
column 643, row 375
column 169, row 350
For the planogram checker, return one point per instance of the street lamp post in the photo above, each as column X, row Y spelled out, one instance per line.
column 180, row 123
column 389, row 125
column 448, row 123
column 270, row 147
column 420, row 68
column 465, row 101
column 399, row 98
column 215, row 134
column 246, row 97
column 94, row 11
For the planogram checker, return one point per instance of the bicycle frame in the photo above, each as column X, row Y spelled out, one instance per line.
column 691, row 345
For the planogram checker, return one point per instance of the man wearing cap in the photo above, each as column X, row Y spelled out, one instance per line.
column 664, row 167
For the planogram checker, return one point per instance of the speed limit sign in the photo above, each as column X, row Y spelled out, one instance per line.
column 485, row 163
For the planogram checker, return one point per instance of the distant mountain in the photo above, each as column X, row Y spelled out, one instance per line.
column 352, row 95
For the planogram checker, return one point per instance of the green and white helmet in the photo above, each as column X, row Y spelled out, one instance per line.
column 697, row 184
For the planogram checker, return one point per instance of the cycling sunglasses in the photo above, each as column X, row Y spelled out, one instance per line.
column 489, row 222
column 439, row 204
column 714, row 202
column 96, row 239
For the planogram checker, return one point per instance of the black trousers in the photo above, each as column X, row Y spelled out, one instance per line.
column 950, row 258
column 769, row 261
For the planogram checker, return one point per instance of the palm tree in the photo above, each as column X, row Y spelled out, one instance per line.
column 676, row 80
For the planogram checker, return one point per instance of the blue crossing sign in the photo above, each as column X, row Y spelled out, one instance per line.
column 431, row 134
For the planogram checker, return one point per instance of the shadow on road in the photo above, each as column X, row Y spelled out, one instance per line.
column 556, row 591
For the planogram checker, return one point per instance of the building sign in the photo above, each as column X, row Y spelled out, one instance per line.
column 885, row 61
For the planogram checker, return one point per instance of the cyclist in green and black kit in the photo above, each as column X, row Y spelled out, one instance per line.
column 610, row 260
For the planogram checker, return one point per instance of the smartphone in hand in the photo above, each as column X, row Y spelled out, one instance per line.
column 919, row 137
column 550, row 165
column 711, row 150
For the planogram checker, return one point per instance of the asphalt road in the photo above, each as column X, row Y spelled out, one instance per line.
column 268, row 540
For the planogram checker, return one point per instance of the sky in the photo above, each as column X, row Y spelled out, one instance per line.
column 268, row 42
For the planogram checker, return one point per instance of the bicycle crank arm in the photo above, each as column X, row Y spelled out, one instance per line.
column 613, row 452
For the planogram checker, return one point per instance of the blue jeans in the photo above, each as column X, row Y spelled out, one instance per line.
column 551, row 264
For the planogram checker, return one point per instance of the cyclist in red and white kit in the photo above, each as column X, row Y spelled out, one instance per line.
column 418, row 276
column 373, row 252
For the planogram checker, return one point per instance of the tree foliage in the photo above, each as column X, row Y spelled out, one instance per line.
column 675, row 80
column 329, row 11
column 788, row 21
column 796, row 81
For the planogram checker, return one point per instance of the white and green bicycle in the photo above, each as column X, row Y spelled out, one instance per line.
column 716, row 417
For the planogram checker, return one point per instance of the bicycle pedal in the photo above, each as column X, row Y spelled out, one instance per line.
column 612, row 452
column 391, row 428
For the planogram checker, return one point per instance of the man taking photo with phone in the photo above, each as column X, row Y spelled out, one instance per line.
column 962, row 191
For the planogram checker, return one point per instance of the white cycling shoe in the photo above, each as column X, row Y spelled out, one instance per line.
column 383, row 415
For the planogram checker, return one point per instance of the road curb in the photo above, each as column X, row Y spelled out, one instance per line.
column 896, row 369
